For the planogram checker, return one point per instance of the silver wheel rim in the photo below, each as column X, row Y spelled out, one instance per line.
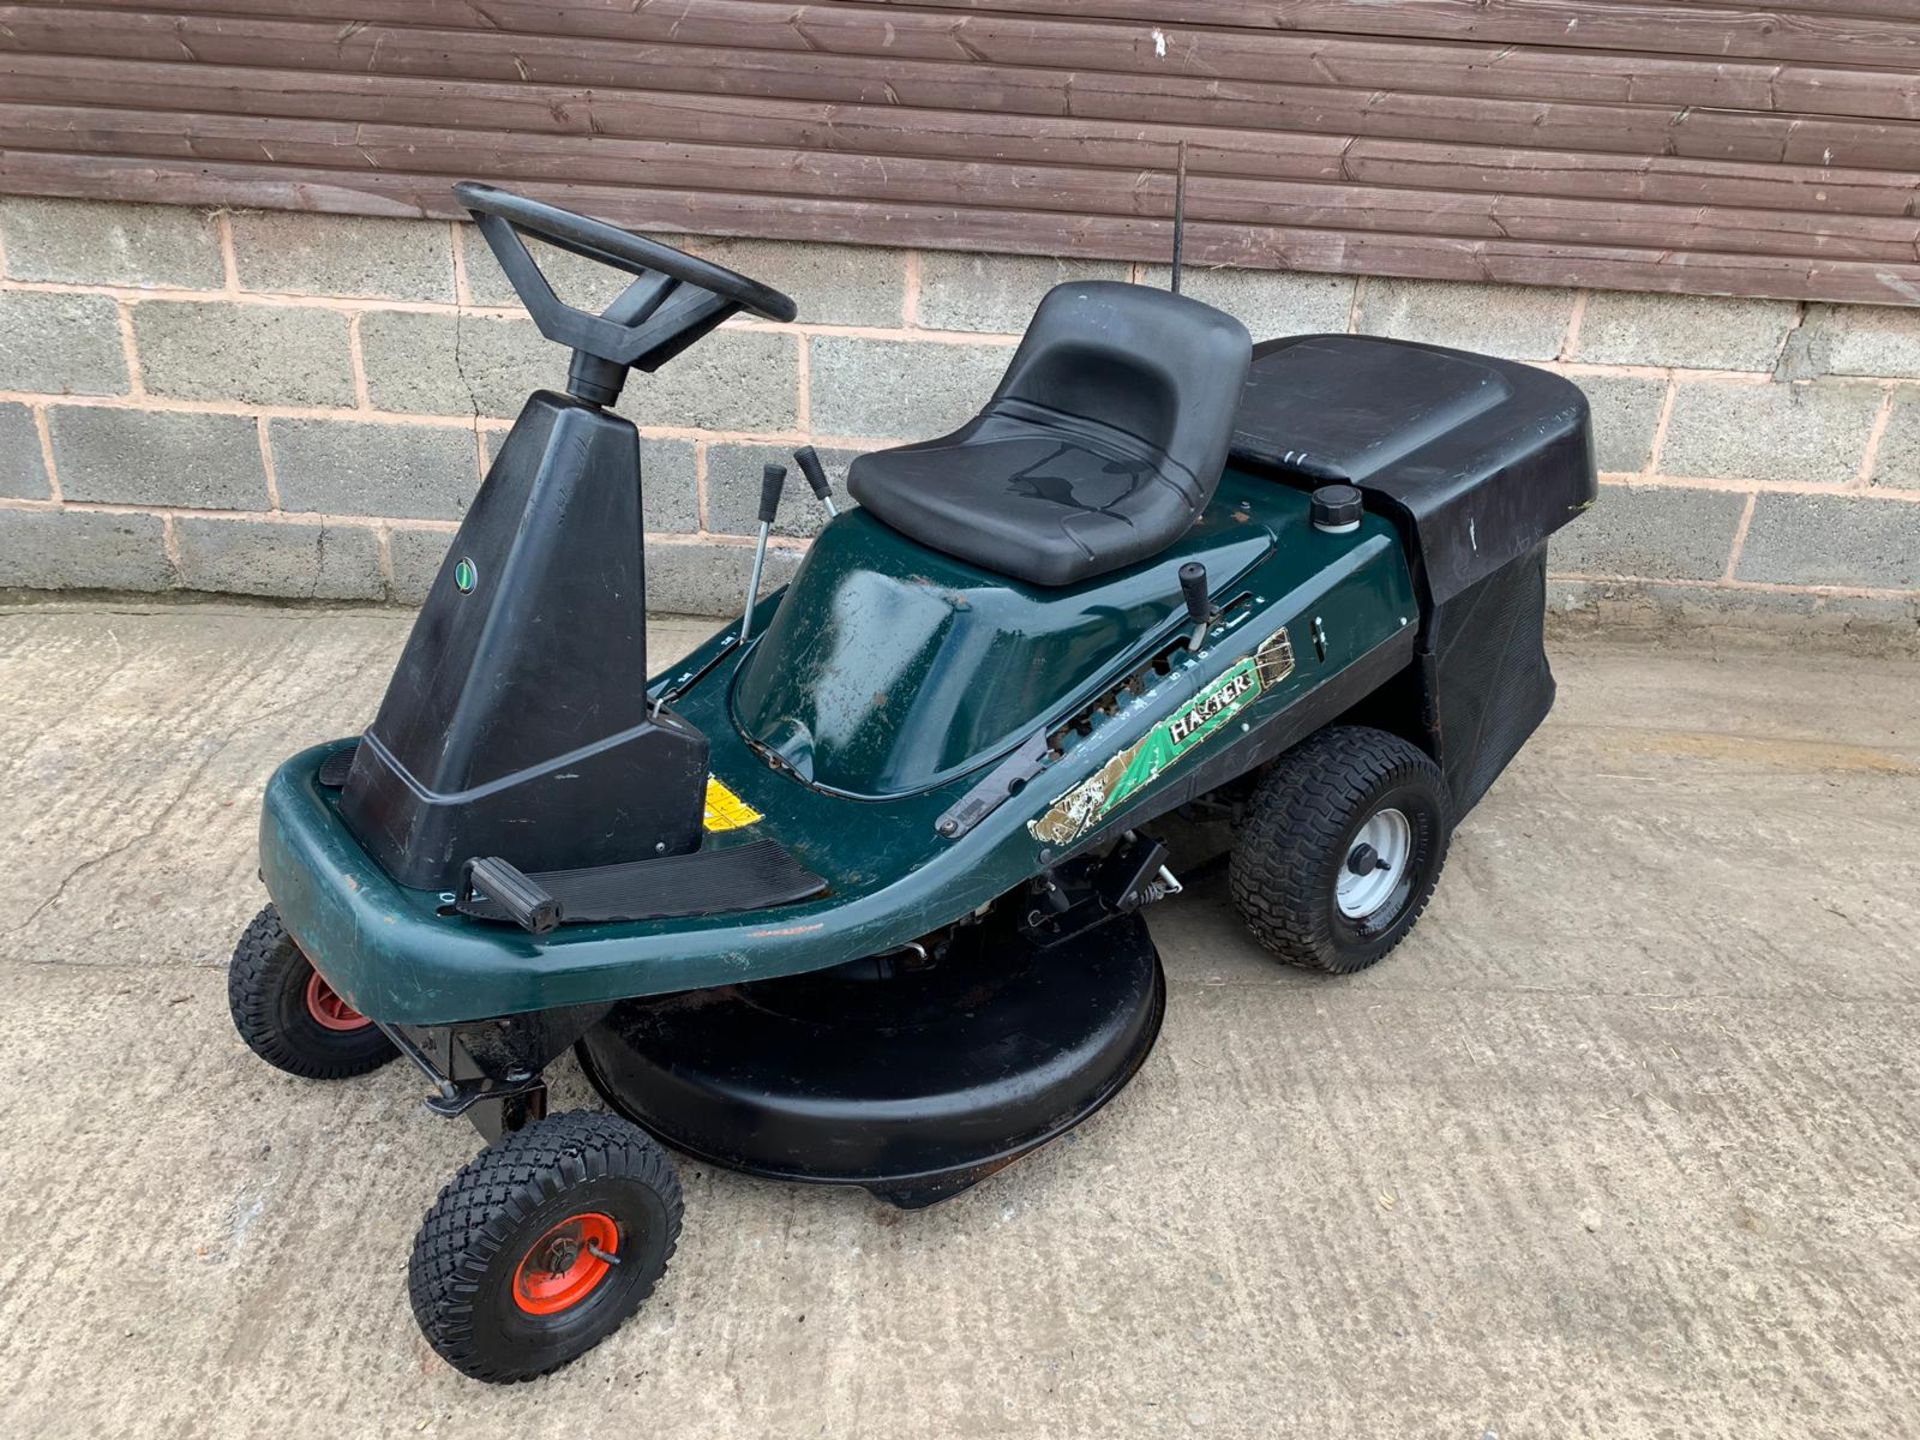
column 1388, row 834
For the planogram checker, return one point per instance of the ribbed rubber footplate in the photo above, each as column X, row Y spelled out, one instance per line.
column 333, row 770
column 707, row 882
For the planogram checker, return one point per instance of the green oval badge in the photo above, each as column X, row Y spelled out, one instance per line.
column 465, row 577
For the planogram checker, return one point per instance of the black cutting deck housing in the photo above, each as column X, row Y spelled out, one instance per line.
column 915, row 1086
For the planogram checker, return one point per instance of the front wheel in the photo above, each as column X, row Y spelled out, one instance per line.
column 290, row 1016
column 543, row 1245
column 1342, row 846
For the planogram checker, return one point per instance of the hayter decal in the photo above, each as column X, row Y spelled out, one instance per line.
column 1220, row 700
column 1162, row 747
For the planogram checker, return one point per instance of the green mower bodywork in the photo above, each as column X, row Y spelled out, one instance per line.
column 979, row 667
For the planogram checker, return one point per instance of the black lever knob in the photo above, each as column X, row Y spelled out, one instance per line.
column 1194, row 590
column 815, row 472
column 771, row 481
column 1193, row 587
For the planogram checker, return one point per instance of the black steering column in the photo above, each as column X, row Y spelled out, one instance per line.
column 516, row 736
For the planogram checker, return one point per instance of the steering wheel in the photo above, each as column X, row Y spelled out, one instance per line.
column 676, row 297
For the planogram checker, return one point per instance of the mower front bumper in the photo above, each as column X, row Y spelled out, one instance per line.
column 392, row 954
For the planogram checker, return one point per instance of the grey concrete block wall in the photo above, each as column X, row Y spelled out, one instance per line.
column 1797, row 433
column 1897, row 463
column 1663, row 533
column 23, row 464
column 1268, row 302
column 736, row 379
column 906, row 389
column 414, row 558
column 98, row 242
column 303, row 405
column 314, row 561
column 83, row 549
column 577, row 281
column 994, row 294
column 1693, row 331
column 443, row 363
column 158, row 457
column 235, row 351
column 1856, row 340
column 1626, row 417
column 343, row 255
column 61, row 344
column 1520, row 324
column 845, row 285
column 356, row 467
column 1841, row 540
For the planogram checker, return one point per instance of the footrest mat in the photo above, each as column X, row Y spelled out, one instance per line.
column 753, row 876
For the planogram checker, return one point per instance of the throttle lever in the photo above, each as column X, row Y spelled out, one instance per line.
column 816, row 474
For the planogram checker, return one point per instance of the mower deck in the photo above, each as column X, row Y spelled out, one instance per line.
column 915, row 1085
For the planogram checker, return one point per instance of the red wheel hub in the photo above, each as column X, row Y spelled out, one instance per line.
column 328, row 1009
column 566, row 1265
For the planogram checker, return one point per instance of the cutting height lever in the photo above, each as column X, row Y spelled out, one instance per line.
column 771, row 480
column 1193, row 589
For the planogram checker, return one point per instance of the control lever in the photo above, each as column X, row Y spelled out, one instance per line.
column 771, row 481
column 816, row 474
column 1193, row 588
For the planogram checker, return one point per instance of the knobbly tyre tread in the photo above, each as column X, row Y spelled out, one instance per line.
column 265, row 963
column 1284, row 861
column 479, row 1220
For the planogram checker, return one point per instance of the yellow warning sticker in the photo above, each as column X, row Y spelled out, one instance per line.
column 726, row 810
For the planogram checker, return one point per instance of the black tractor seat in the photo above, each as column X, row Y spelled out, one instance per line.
column 1100, row 448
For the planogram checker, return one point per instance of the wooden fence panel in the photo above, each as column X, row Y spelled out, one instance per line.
column 1699, row 147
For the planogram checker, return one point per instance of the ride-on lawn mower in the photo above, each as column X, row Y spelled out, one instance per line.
column 853, row 894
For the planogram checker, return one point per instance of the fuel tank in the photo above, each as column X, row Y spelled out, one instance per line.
column 891, row 668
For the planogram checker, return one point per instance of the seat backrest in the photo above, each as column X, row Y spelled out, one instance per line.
column 1159, row 367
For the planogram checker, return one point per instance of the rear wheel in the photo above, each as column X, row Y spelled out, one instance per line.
column 290, row 1016
column 543, row 1245
column 1342, row 846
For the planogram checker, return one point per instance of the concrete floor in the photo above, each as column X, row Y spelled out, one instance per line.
column 1625, row 1140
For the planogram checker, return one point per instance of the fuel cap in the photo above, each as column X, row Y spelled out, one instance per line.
column 1336, row 509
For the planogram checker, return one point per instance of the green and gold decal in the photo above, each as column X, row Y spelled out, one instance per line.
column 1166, row 744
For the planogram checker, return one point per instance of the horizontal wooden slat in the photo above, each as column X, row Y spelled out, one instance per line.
column 496, row 56
column 1505, row 261
column 897, row 130
column 1664, row 144
column 1122, row 47
column 1859, row 32
column 1889, row 37
column 602, row 160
